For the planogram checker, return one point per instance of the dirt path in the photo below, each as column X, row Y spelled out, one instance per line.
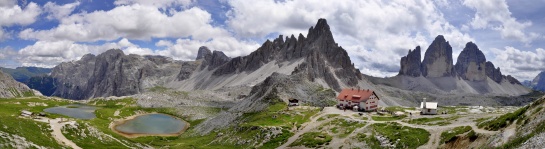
column 56, row 125
column 306, row 128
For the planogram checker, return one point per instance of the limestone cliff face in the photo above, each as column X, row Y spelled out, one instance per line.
column 323, row 57
column 410, row 64
column 111, row 73
column 471, row 63
column 10, row 88
column 211, row 60
column 493, row 73
column 438, row 59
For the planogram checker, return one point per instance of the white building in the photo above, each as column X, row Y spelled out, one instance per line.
column 357, row 99
column 428, row 108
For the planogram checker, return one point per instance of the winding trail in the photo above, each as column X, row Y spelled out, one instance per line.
column 56, row 125
column 434, row 130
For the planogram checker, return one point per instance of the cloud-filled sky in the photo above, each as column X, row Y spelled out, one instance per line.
column 376, row 33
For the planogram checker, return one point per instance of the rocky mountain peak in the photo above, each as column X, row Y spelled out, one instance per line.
column 203, row 52
column 321, row 30
column 471, row 63
column 318, row 49
column 410, row 64
column 438, row 59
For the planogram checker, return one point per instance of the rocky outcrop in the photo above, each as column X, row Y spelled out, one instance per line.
column 492, row 72
column 10, row 88
column 471, row 63
column 203, row 52
column 438, row 59
column 111, row 73
column 324, row 59
column 211, row 60
column 410, row 64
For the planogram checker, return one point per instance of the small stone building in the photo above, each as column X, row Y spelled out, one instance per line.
column 428, row 108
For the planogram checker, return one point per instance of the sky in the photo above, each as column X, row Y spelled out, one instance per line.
column 375, row 33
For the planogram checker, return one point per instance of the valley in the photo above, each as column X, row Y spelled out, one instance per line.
column 119, row 100
column 279, row 126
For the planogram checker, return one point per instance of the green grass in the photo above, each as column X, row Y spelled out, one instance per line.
column 313, row 140
column 452, row 109
column 35, row 132
column 371, row 141
column 398, row 108
column 275, row 116
column 433, row 121
column 503, row 121
column 341, row 127
column 328, row 116
column 254, row 127
column 450, row 134
column 277, row 141
column 388, row 118
column 83, row 137
column 408, row 137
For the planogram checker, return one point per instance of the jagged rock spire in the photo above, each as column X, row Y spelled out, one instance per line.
column 410, row 64
column 438, row 59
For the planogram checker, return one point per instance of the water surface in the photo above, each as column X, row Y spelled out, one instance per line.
column 152, row 124
column 74, row 110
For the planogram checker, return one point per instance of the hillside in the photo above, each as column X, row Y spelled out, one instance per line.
column 11, row 88
column 23, row 74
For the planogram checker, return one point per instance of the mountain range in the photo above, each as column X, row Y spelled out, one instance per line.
column 315, row 58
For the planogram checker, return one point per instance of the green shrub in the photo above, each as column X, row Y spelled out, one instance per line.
column 504, row 120
column 450, row 134
column 312, row 139
column 408, row 137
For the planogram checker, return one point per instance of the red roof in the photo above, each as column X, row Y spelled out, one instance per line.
column 355, row 94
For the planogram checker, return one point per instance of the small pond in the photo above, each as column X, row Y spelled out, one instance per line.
column 74, row 110
column 152, row 124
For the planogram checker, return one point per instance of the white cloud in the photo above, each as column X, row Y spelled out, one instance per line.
column 495, row 14
column 51, row 53
column 57, row 11
column 364, row 28
column 12, row 15
column 132, row 22
column 8, row 3
column 524, row 65
column 163, row 43
column 157, row 3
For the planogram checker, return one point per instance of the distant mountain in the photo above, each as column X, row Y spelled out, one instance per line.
column 538, row 83
column 23, row 74
column 316, row 58
column 10, row 88
column 436, row 74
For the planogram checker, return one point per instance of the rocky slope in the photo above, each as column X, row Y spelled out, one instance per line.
column 10, row 88
column 112, row 73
